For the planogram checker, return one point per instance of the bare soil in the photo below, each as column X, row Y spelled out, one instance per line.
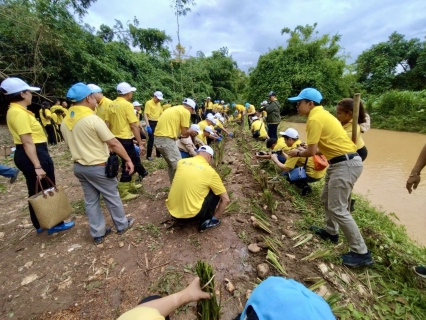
column 74, row 279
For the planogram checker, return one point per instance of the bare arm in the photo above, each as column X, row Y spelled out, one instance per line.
column 223, row 203
column 311, row 150
column 31, row 152
column 118, row 148
column 136, row 132
column 146, row 119
column 274, row 158
column 414, row 178
column 185, row 131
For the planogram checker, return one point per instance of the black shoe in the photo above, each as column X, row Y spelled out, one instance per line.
column 352, row 208
column 131, row 221
column 355, row 260
column 144, row 174
column 209, row 224
column 306, row 190
column 420, row 271
column 15, row 176
column 324, row 234
column 99, row 240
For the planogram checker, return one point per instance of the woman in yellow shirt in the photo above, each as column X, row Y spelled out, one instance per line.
column 46, row 121
column 31, row 155
column 344, row 113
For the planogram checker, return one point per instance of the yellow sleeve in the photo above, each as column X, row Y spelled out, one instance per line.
column 185, row 119
column 21, row 124
column 291, row 162
column 130, row 114
column 48, row 114
column 313, row 132
column 102, row 130
column 216, row 184
column 141, row 313
column 147, row 108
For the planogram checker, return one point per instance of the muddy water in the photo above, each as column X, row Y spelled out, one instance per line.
column 391, row 155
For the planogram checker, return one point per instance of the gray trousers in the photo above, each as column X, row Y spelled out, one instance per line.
column 168, row 148
column 96, row 183
column 339, row 182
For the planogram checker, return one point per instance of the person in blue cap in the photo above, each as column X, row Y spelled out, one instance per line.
column 326, row 135
column 277, row 298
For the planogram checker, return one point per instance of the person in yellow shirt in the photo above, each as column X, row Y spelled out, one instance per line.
column 152, row 113
column 31, row 155
column 258, row 130
column 197, row 192
column 46, row 121
column 208, row 105
column 166, row 105
column 102, row 101
column 174, row 121
column 278, row 146
column 251, row 112
column 57, row 115
column 291, row 138
column 124, row 125
column 89, row 140
column 326, row 135
column 158, row 308
column 207, row 134
column 344, row 113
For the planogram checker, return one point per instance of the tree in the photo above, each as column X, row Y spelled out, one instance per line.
column 148, row 40
column 105, row 33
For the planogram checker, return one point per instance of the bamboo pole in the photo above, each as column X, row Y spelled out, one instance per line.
column 355, row 114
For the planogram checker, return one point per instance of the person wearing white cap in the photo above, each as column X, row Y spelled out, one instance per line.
column 220, row 125
column 258, row 130
column 173, row 122
column 152, row 113
column 188, row 145
column 124, row 125
column 197, row 191
column 31, row 154
column 208, row 133
column 102, row 101
column 291, row 138
column 89, row 140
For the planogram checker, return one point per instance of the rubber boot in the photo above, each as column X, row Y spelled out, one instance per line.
column 133, row 186
column 123, row 189
column 352, row 207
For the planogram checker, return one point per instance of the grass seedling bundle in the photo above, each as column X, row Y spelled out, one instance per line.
column 207, row 309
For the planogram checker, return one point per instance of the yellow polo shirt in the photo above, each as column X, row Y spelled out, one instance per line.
column 202, row 137
column 259, row 125
column 102, row 107
column 87, row 140
column 203, row 124
column 141, row 313
column 359, row 141
column 166, row 106
column 324, row 129
column 193, row 180
column 45, row 121
column 293, row 162
column 170, row 123
column 120, row 115
column 21, row 121
column 219, row 124
column 240, row 107
column 54, row 117
column 208, row 106
column 251, row 109
column 58, row 117
column 281, row 145
column 153, row 110
column 219, row 108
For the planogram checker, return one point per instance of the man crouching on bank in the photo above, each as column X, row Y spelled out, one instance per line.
column 197, row 191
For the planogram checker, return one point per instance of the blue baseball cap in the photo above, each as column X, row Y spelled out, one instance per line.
column 247, row 104
column 279, row 298
column 78, row 92
column 308, row 94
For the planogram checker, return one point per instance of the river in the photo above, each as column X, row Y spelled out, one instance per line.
column 391, row 155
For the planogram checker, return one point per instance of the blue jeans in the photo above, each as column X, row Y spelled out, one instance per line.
column 184, row 154
column 6, row 171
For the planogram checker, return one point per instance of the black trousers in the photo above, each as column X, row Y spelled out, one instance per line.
column 150, row 146
column 136, row 160
column 195, row 118
column 51, row 134
column 272, row 130
column 24, row 164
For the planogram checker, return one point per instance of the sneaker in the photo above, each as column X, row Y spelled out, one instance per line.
column 324, row 234
column 355, row 260
column 420, row 271
column 15, row 176
column 209, row 224
column 131, row 221
column 61, row 227
column 99, row 240
column 150, row 159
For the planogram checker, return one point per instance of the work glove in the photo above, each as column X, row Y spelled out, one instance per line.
column 148, row 129
column 231, row 134
column 219, row 139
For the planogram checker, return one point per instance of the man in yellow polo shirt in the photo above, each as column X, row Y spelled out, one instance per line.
column 124, row 125
column 258, row 130
column 152, row 113
column 173, row 122
column 326, row 135
column 102, row 101
column 291, row 138
column 89, row 138
column 197, row 192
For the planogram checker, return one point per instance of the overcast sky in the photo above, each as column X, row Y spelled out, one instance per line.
column 250, row 27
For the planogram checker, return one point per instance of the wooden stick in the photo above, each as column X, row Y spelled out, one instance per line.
column 146, row 260
column 157, row 266
column 355, row 114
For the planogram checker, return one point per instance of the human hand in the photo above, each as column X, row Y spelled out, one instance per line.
column 412, row 183
column 293, row 153
column 274, row 157
column 231, row 134
column 194, row 293
column 218, row 139
column 148, row 129
column 141, row 149
column 40, row 173
column 129, row 166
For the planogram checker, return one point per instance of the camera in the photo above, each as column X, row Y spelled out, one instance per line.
column 261, row 153
column 277, row 152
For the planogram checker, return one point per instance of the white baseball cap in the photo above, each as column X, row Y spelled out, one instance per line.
column 15, row 85
column 211, row 118
column 208, row 129
column 208, row 98
column 206, row 149
column 136, row 103
column 124, row 88
column 218, row 115
column 222, row 119
column 159, row 95
column 94, row 88
column 291, row 133
column 195, row 127
column 222, row 101
column 256, row 118
column 189, row 102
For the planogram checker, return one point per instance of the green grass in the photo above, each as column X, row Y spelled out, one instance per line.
column 78, row 206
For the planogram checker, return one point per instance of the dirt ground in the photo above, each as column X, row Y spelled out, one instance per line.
column 65, row 276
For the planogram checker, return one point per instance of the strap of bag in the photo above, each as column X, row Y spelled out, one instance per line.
column 39, row 186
